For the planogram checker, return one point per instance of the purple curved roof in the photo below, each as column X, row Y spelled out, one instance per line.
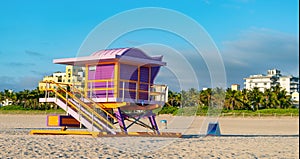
column 129, row 55
column 112, row 53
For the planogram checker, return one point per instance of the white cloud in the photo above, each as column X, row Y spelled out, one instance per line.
column 20, row 83
column 258, row 49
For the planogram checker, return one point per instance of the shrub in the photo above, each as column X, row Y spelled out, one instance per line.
column 12, row 107
column 168, row 110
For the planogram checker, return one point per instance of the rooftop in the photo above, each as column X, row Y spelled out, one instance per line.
column 130, row 55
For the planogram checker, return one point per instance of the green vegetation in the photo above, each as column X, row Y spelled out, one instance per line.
column 168, row 110
column 273, row 101
column 26, row 102
column 12, row 107
column 16, row 109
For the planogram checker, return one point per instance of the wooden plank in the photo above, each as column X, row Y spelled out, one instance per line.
column 60, row 132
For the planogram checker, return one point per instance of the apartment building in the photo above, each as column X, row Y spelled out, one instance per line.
column 273, row 77
column 72, row 75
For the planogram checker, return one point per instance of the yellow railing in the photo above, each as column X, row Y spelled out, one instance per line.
column 98, row 105
column 76, row 108
column 155, row 92
column 106, row 88
column 84, row 104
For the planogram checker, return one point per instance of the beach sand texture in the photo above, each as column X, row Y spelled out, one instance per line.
column 263, row 140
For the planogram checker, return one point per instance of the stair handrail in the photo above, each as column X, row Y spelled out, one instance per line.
column 75, row 107
column 82, row 103
column 98, row 105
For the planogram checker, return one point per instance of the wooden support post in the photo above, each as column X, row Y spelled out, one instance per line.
column 138, row 83
column 86, row 80
column 123, row 92
column 116, row 80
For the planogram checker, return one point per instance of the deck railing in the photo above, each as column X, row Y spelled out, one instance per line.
column 126, row 90
column 152, row 92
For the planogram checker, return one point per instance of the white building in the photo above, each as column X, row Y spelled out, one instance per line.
column 290, row 83
column 235, row 87
column 273, row 77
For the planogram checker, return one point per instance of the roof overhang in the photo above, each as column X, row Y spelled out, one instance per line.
column 124, row 55
column 81, row 61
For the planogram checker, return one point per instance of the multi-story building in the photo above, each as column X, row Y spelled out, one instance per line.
column 73, row 75
column 58, row 77
column 290, row 83
column 273, row 77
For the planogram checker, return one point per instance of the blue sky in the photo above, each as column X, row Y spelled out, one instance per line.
column 251, row 35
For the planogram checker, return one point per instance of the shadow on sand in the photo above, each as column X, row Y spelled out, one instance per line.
column 188, row 136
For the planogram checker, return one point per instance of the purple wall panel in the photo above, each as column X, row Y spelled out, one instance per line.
column 128, row 85
column 144, row 74
column 144, row 87
column 105, row 71
column 91, row 75
column 154, row 71
column 127, row 94
column 143, row 95
column 128, row 72
column 102, row 72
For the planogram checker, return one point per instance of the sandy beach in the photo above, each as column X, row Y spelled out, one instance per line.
column 269, row 137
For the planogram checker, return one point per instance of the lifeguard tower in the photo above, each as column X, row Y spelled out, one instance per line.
column 117, row 86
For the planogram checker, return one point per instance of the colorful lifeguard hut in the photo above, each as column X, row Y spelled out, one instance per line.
column 118, row 86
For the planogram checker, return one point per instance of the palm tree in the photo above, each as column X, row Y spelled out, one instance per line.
column 174, row 98
column 269, row 100
column 184, row 97
column 171, row 98
column 205, row 96
column 2, row 97
column 256, row 97
column 218, row 97
column 25, row 98
column 10, row 95
column 193, row 96
column 281, row 97
column 177, row 97
column 35, row 94
column 245, row 95
column 284, row 99
column 233, row 99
